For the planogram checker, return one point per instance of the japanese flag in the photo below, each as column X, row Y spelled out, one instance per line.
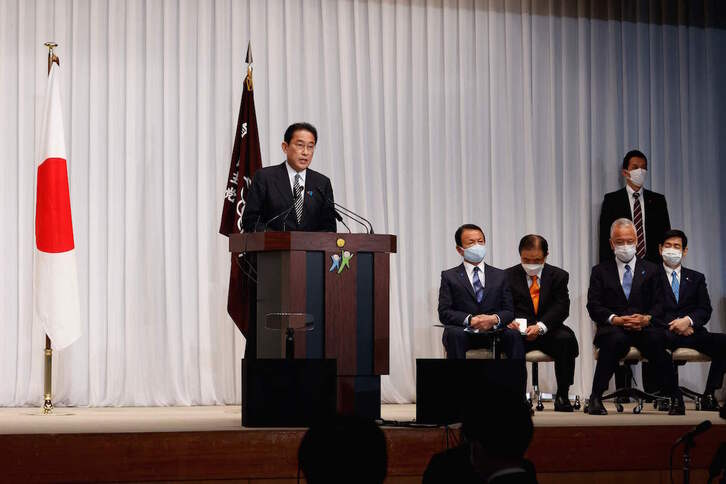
column 55, row 282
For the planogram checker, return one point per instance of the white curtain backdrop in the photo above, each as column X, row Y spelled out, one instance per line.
column 511, row 115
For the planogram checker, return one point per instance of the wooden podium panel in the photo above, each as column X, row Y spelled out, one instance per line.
column 349, row 307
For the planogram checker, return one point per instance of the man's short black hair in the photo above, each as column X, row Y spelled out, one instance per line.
column 633, row 154
column 344, row 448
column 457, row 235
column 675, row 233
column 300, row 127
column 534, row 241
column 509, row 433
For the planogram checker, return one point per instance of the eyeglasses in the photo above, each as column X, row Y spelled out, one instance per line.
column 302, row 146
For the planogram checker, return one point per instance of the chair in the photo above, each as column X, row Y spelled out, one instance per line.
column 633, row 357
column 534, row 357
column 680, row 357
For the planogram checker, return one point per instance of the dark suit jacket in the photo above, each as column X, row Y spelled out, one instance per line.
column 271, row 194
column 693, row 297
column 605, row 295
column 554, row 297
column 616, row 205
column 457, row 299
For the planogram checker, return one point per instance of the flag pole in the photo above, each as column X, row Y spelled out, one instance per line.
column 48, row 378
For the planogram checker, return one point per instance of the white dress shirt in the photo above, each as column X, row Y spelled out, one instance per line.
column 291, row 175
column 540, row 324
column 631, row 199
column 469, row 267
column 669, row 271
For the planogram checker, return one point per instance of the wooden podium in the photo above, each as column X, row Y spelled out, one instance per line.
column 339, row 285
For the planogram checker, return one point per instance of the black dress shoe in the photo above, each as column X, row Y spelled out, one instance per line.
column 596, row 407
column 677, row 406
column 709, row 402
column 562, row 404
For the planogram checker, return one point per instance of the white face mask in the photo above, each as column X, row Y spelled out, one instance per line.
column 624, row 253
column 637, row 176
column 672, row 257
column 532, row 269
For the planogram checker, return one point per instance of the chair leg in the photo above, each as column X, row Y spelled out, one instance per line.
column 627, row 393
column 687, row 392
column 535, row 386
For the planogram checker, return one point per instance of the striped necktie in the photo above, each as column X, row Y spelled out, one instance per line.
column 297, row 194
column 478, row 288
column 638, row 222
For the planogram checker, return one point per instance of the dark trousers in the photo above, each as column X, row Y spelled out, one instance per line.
column 614, row 342
column 457, row 342
column 561, row 344
column 711, row 344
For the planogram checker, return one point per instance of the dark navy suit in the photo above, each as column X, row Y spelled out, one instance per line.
column 457, row 301
column 605, row 297
column 693, row 301
column 271, row 195
column 554, row 307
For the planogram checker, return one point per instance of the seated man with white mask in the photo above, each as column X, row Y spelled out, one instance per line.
column 625, row 302
column 687, row 309
column 541, row 297
column 474, row 298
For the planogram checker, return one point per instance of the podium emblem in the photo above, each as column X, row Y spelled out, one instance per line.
column 340, row 262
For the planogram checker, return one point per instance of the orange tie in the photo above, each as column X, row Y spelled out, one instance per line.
column 534, row 293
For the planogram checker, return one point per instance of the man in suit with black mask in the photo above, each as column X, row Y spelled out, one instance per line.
column 540, row 295
column 625, row 302
column 474, row 298
column 687, row 309
column 291, row 196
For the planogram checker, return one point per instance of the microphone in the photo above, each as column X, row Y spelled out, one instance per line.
column 283, row 214
column 347, row 212
column 336, row 214
column 697, row 430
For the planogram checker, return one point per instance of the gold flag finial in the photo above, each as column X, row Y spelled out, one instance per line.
column 248, row 60
column 51, row 55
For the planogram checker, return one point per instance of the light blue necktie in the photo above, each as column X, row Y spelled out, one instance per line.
column 478, row 288
column 627, row 281
column 675, row 285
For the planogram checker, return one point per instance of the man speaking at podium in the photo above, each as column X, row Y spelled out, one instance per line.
column 290, row 196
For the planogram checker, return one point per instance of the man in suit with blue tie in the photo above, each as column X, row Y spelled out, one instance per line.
column 625, row 302
column 687, row 309
column 474, row 298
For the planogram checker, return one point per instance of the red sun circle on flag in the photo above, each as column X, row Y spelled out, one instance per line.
column 53, row 223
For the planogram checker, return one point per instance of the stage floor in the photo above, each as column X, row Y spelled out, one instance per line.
column 174, row 444
column 75, row 420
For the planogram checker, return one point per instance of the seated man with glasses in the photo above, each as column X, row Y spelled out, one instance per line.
column 291, row 196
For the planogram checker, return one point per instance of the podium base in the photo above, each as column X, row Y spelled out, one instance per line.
column 287, row 393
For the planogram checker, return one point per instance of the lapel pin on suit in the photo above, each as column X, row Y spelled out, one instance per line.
column 310, row 193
